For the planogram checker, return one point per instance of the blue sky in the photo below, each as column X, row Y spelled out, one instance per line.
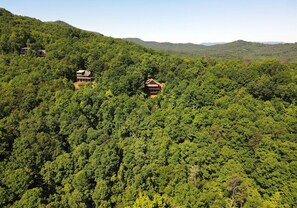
column 183, row 21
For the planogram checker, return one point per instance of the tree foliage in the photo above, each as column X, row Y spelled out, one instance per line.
column 221, row 134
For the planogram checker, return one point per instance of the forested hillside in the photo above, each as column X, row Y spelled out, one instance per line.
column 222, row 133
column 241, row 50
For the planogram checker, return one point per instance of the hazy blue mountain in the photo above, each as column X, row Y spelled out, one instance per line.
column 213, row 43
column 273, row 42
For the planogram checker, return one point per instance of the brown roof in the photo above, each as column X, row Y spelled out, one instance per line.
column 152, row 82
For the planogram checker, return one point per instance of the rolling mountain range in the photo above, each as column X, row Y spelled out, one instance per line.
column 235, row 50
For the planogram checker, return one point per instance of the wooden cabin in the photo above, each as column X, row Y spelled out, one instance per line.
column 152, row 87
column 41, row 53
column 83, row 76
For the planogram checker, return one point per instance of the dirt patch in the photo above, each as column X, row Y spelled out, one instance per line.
column 78, row 85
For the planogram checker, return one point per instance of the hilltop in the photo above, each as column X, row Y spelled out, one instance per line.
column 221, row 133
column 240, row 49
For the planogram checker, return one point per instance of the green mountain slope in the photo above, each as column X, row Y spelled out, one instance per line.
column 235, row 50
column 221, row 134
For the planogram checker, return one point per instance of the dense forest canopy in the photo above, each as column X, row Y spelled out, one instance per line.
column 222, row 133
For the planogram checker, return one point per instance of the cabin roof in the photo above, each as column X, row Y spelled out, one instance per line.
column 80, row 71
column 83, row 73
column 152, row 82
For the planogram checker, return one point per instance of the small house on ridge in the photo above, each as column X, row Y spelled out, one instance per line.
column 39, row 53
column 152, row 87
column 83, row 76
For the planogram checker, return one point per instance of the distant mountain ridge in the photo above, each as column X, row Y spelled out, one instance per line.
column 239, row 49
column 180, row 47
column 221, row 43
